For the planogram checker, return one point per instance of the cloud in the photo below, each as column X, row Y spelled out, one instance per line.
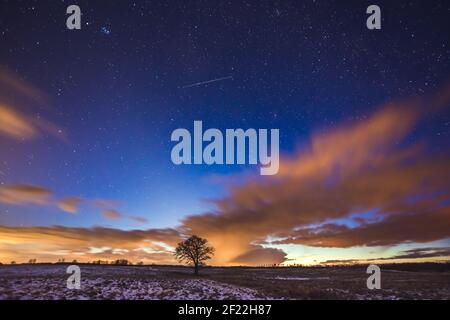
column 105, row 203
column 53, row 243
column 354, row 168
column 19, row 126
column 411, row 254
column 139, row 219
column 112, row 214
column 69, row 204
column 422, row 253
column 17, row 119
column 12, row 87
column 16, row 125
column 343, row 261
column 24, row 194
column 398, row 228
column 365, row 167
column 258, row 255
column 21, row 194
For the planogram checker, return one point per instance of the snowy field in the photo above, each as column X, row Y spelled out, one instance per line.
column 113, row 282
column 145, row 282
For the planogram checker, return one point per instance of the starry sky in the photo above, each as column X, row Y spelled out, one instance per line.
column 86, row 117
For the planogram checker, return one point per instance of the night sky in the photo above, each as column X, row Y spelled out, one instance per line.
column 103, row 101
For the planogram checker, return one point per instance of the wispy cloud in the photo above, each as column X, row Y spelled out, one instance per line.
column 16, row 125
column 409, row 255
column 139, row 219
column 367, row 166
column 24, row 194
column 69, row 204
column 18, row 117
column 87, row 244
column 112, row 214
column 357, row 167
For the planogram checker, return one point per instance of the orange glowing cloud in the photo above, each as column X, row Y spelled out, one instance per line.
column 356, row 168
column 139, row 219
column 112, row 214
column 17, row 119
column 15, row 125
column 13, row 85
column 24, row 194
column 69, row 204
column 83, row 244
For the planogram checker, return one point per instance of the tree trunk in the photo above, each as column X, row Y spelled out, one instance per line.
column 196, row 269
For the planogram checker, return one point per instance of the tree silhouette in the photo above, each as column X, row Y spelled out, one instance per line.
column 194, row 251
column 122, row 262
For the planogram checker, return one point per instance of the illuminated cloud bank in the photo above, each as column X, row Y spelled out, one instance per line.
column 362, row 184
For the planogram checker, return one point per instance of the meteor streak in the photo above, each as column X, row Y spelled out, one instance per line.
column 206, row 82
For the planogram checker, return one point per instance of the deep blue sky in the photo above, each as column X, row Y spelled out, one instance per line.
column 115, row 87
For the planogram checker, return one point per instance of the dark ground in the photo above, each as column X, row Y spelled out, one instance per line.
column 418, row 281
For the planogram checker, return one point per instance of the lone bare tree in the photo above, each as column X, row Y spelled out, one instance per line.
column 194, row 251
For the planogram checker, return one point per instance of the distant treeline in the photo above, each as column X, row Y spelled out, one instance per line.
column 410, row 266
column 122, row 262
